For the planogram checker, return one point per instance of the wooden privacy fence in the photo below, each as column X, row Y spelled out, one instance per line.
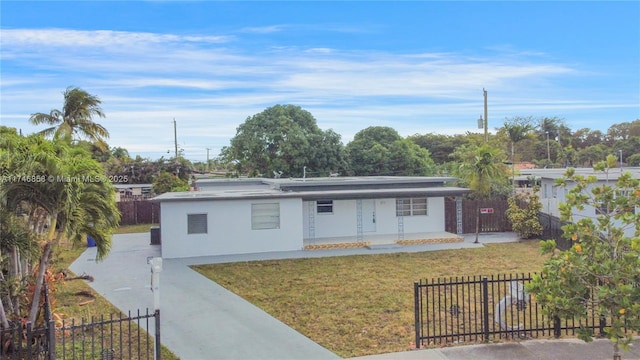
column 474, row 309
column 493, row 220
column 139, row 212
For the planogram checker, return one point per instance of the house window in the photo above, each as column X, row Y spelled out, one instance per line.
column 196, row 223
column 411, row 207
column 324, row 206
column 265, row 216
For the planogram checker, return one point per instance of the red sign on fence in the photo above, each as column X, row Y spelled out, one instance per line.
column 486, row 210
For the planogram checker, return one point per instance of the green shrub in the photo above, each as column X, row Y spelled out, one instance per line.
column 524, row 220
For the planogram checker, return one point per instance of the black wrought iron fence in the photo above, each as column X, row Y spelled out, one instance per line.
column 121, row 337
column 473, row 309
column 22, row 341
column 116, row 337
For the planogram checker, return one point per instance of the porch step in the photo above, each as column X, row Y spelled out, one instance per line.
column 454, row 239
column 346, row 245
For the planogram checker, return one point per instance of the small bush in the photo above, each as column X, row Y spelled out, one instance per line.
column 524, row 220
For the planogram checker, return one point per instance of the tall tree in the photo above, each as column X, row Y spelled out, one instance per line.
column 66, row 185
column 380, row 150
column 517, row 129
column 481, row 172
column 284, row 139
column 75, row 120
column 439, row 146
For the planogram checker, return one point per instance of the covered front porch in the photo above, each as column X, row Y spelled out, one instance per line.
column 381, row 239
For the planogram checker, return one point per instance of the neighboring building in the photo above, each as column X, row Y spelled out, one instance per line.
column 133, row 192
column 234, row 216
column 551, row 195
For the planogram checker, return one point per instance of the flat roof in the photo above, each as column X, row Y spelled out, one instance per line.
column 255, row 194
column 326, row 181
column 556, row 173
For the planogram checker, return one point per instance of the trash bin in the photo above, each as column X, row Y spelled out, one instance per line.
column 155, row 235
column 90, row 242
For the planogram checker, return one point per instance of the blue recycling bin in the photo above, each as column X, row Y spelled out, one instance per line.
column 90, row 242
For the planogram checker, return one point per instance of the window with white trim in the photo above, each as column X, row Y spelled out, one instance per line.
column 265, row 216
column 324, row 206
column 411, row 206
column 196, row 223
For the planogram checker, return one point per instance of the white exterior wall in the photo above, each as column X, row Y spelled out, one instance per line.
column 343, row 221
column 228, row 228
column 433, row 222
column 553, row 196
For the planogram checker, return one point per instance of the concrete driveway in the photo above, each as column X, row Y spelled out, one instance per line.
column 199, row 318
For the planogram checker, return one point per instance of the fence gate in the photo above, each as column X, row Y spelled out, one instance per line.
column 494, row 221
column 474, row 309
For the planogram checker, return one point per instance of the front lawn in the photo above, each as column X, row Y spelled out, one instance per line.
column 361, row 305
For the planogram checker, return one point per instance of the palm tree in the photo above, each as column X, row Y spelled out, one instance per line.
column 517, row 131
column 484, row 169
column 71, row 191
column 75, row 119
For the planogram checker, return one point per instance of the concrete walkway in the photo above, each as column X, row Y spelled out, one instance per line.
column 202, row 320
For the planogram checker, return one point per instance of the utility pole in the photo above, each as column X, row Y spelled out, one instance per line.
column 208, row 159
column 486, row 117
column 175, row 137
column 548, row 150
column 620, row 161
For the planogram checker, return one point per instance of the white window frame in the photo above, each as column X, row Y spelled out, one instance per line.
column 324, row 207
column 265, row 216
column 415, row 206
column 197, row 224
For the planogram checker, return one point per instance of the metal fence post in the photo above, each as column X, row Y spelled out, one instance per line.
column 51, row 334
column 416, row 301
column 602, row 325
column 485, row 308
column 158, row 344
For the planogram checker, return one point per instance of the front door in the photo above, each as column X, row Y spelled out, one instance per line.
column 368, row 215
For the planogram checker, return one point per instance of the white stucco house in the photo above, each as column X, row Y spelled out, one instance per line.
column 235, row 216
column 551, row 196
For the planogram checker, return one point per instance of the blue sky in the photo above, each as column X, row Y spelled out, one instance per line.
column 416, row 66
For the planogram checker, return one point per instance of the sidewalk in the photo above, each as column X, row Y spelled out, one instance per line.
column 564, row 349
column 202, row 320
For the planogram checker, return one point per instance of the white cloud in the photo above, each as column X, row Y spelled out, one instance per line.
column 98, row 38
column 211, row 84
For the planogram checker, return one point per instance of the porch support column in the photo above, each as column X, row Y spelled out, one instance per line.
column 359, row 220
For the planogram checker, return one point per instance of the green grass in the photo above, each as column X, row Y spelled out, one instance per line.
column 361, row 305
column 68, row 304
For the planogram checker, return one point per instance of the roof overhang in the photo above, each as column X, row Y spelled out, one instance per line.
column 311, row 195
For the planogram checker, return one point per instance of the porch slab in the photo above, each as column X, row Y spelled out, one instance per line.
column 384, row 246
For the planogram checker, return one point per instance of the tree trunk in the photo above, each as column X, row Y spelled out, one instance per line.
column 477, row 221
column 616, row 351
column 513, row 168
column 3, row 315
column 42, row 268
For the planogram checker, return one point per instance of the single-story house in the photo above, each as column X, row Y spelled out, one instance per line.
column 234, row 216
column 551, row 196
